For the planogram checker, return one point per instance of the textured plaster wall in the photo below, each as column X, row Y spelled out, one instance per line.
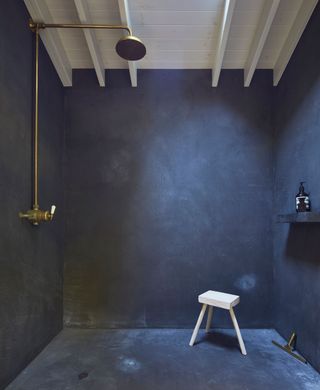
column 169, row 193
column 30, row 258
column 296, row 247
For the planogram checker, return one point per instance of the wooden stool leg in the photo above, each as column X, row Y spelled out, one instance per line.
column 209, row 319
column 236, row 326
column 196, row 329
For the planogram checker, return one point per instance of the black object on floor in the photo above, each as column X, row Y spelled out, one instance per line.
column 83, row 375
column 145, row 359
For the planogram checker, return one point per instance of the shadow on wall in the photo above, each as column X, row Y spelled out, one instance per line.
column 299, row 99
column 301, row 81
column 303, row 244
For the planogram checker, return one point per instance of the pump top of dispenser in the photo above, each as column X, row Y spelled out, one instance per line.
column 301, row 189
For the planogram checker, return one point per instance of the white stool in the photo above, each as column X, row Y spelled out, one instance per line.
column 224, row 301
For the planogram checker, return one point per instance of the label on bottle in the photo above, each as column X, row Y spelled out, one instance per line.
column 302, row 203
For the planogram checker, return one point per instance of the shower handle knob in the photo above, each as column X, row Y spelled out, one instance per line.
column 53, row 209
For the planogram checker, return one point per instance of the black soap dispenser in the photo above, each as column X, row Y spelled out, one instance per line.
column 302, row 200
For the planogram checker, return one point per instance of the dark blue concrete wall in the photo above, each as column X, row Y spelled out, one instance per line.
column 169, row 194
column 30, row 258
column 296, row 247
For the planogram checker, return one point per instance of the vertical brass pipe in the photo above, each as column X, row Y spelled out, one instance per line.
column 36, row 215
column 36, row 123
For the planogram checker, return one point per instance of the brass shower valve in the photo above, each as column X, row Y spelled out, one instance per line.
column 35, row 215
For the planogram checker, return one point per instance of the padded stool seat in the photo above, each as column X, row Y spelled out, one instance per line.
column 221, row 300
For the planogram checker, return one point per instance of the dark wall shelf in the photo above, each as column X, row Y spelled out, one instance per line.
column 308, row 217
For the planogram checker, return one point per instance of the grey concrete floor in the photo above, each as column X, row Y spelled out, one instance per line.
column 143, row 359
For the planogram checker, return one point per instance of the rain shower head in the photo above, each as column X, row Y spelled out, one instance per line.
column 131, row 48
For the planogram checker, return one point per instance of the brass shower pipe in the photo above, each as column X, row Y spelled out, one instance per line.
column 130, row 48
column 33, row 26
column 36, row 215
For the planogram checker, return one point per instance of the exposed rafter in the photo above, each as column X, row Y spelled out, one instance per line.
column 185, row 43
column 125, row 19
column 92, row 42
column 260, row 37
column 292, row 40
column 39, row 12
column 222, row 41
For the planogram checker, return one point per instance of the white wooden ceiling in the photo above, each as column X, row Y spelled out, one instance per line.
column 178, row 34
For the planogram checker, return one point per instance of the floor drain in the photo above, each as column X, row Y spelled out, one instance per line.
column 82, row 375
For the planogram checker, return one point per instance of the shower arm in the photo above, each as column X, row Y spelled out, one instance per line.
column 36, row 215
column 41, row 26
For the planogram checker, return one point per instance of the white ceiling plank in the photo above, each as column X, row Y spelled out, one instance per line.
column 190, row 34
column 169, row 5
column 176, row 31
column 39, row 12
column 206, row 18
column 125, row 19
column 222, row 41
column 260, row 37
column 167, row 45
column 293, row 37
column 92, row 42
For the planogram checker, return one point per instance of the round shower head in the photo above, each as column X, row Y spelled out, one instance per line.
column 131, row 48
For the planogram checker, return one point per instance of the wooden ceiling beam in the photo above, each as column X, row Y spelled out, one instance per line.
column 39, row 12
column 268, row 13
column 293, row 37
column 91, row 39
column 223, row 39
column 125, row 20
